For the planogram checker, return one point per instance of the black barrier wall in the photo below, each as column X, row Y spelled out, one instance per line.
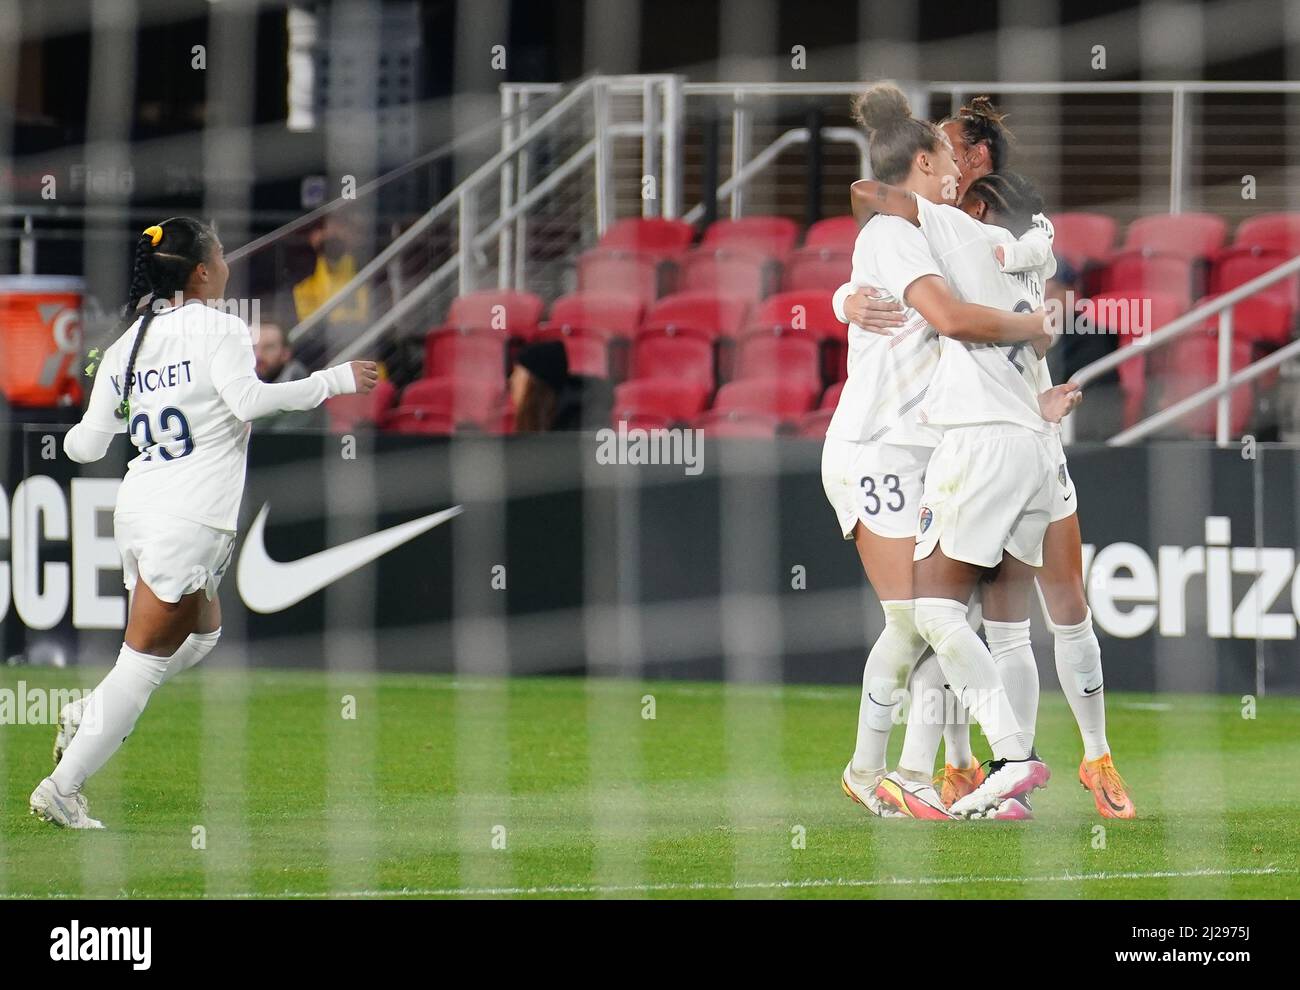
column 560, row 562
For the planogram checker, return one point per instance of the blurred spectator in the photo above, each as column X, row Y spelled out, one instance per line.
column 275, row 363
column 334, row 242
column 546, row 397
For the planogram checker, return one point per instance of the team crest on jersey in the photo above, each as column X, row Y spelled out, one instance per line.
column 927, row 517
column 1060, row 475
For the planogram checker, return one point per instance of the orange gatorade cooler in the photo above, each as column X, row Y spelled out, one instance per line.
column 40, row 340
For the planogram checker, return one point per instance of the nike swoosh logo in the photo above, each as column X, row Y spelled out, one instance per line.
column 1093, row 690
column 268, row 585
column 1070, row 496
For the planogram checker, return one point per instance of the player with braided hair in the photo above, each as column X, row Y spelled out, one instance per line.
column 180, row 381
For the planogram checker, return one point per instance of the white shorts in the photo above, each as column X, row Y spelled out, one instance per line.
column 989, row 489
column 174, row 557
column 1064, row 502
column 876, row 484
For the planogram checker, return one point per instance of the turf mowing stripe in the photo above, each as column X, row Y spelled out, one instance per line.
column 650, row 888
column 750, row 616
column 616, row 728
column 480, row 649
column 352, row 709
column 223, row 776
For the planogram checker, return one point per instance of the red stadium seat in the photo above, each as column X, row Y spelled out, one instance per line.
column 1192, row 235
column 1132, row 318
column 832, row 397
column 516, row 313
column 649, row 235
column 658, row 401
column 786, row 355
column 460, row 400
column 1239, row 265
column 734, row 423
column 814, row 425
column 686, row 357
column 347, row 412
column 587, row 350
column 1193, row 364
column 612, row 315
column 702, row 312
column 771, row 237
column 1136, row 272
column 833, row 233
column 726, row 272
column 1272, row 232
column 1083, row 238
column 1260, row 320
column 421, row 421
column 452, row 353
column 640, row 276
column 820, row 269
column 785, row 398
column 799, row 312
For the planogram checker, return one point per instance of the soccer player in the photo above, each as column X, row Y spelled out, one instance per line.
column 877, row 445
column 981, row 144
column 180, row 381
column 987, row 503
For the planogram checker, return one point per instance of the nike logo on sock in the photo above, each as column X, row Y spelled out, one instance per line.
column 1091, row 691
column 268, row 585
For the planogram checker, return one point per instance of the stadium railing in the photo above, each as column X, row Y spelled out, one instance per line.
column 1220, row 392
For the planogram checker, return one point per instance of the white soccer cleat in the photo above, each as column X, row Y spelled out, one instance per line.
column 69, row 723
column 911, row 798
column 1006, row 779
column 49, row 804
column 1014, row 809
column 862, row 789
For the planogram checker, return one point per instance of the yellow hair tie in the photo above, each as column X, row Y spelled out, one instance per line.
column 154, row 234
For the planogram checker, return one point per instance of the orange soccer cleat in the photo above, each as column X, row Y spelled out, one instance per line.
column 955, row 783
column 1108, row 788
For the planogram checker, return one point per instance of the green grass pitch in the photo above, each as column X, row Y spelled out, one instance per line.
column 239, row 784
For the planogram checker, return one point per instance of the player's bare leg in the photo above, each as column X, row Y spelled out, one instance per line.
column 1078, row 663
column 888, row 566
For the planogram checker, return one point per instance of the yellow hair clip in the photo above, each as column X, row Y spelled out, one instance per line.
column 154, row 234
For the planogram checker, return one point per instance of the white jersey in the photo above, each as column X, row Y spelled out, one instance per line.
column 981, row 383
column 194, row 391
column 888, row 376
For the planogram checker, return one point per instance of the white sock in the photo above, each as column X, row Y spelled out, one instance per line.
column 1078, row 666
column 926, row 718
column 969, row 670
column 195, row 648
column 889, row 665
column 109, row 716
column 1013, row 654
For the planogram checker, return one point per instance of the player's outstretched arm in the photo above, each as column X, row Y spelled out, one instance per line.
column 88, row 441
column 868, row 196
column 972, row 323
column 233, row 370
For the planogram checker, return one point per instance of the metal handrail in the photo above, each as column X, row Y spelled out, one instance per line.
column 794, row 136
column 1189, row 320
column 1153, row 424
column 454, row 198
column 443, row 273
column 1185, row 324
column 374, row 185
